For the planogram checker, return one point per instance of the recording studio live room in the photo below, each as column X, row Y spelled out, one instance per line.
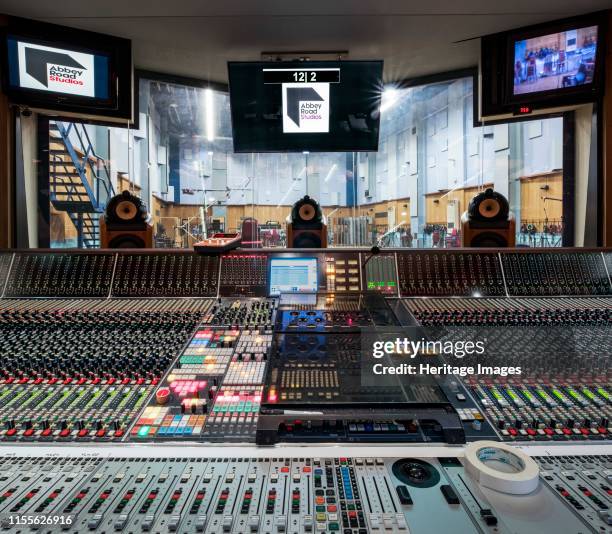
column 306, row 267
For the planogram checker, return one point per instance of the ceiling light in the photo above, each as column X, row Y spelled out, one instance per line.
column 390, row 97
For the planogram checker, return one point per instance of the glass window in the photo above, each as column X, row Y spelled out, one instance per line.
column 411, row 193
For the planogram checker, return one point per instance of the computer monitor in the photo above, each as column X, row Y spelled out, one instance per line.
column 293, row 275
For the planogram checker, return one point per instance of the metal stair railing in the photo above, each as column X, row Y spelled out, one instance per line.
column 91, row 160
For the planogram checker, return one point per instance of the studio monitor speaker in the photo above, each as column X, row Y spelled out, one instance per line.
column 488, row 222
column 306, row 228
column 125, row 223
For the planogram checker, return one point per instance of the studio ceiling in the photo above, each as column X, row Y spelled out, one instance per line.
column 196, row 38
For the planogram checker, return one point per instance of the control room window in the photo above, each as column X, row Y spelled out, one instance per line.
column 431, row 161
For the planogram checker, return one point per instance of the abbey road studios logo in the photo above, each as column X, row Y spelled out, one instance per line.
column 53, row 69
column 305, row 107
column 306, row 97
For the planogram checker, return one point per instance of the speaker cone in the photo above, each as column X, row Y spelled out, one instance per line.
column 306, row 212
column 489, row 208
column 126, row 210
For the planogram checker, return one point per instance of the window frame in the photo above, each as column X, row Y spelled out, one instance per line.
column 568, row 149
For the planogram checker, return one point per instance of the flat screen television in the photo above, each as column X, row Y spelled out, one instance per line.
column 62, row 69
column 314, row 106
column 554, row 64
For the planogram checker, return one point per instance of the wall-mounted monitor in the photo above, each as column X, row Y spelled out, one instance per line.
column 549, row 65
column 318, row 106
column 62, row 69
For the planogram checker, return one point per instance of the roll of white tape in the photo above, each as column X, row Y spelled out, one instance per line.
column 501, row 467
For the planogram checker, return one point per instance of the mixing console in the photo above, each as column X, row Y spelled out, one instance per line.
column 65, row 411
column 53, row 387
column 380, row 274
column 510, row 311
column 353, row 495
column 244, row 275
column 342, row 272
column 213, row 390
column 91, row 307
column 5, row 263
column 550, row 273
column 442, row 274
column 568, row 401
column 60, row 275
column 323, row 320
column 324, row 371
column 242, row 313
column 165, row 275
column 175, row 349
column 132, row 347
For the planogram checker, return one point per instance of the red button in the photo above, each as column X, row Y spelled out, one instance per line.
column 11, row 432
column 531, row 431
column 567, row 431
column 118, row 433
column 65, row 432
column 306, row 470
column 110, row 381
column 284, row 469
column 46, row 432
column 82, row 433
column 332, row 508
column 29, row 432
column 100, row 433
column 67, row 380
column 549, row 431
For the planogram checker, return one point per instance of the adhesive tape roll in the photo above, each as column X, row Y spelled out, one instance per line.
column 501, row 467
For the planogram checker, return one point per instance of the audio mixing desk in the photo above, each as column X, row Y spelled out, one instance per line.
column 165, row 391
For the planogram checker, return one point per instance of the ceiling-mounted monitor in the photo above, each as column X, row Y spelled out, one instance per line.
column 315, row 106
column 550, row 65
column 61, row 69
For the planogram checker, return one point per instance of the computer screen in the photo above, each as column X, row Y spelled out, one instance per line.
column 293, row 275
column 555, row 61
